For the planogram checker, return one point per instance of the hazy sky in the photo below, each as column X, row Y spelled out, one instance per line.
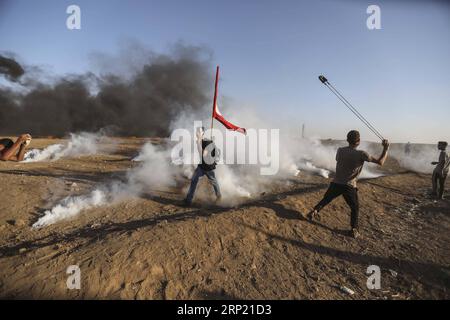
column 271, row 53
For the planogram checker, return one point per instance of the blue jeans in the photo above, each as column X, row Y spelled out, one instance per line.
column 199, row 172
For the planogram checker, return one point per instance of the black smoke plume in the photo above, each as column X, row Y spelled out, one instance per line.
column 10, row 68
column 143, row 104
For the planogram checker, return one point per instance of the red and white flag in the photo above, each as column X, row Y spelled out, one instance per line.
column 218, row 116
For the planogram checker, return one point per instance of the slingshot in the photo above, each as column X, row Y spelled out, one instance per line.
column 350, row 106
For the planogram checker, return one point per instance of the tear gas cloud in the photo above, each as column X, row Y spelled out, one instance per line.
column 154, row 171
column 72, row 205
column 239, row 183
column 419, row 158
column 82, row 144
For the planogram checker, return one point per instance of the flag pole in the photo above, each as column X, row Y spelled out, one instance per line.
column 215, row 99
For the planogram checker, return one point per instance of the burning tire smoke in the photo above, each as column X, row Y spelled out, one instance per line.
column 10, row 68
column 137, row 105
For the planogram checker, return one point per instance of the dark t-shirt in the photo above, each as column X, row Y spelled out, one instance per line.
column 208, row 162
column 349, row 165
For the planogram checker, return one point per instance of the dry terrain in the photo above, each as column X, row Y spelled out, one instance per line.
column 151, row 247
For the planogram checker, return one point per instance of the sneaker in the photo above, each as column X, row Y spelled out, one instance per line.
column 354, row 233
column 313, row 215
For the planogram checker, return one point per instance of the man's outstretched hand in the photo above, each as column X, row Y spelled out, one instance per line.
column 199, row 134
column 380, row 161
column 24, row 137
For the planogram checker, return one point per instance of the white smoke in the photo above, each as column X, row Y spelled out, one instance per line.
column 238, row 183
column 154, row 171
column 313, row 156
column 418, row 159
column 82, row 144
column 309, row 167
column 72, row 205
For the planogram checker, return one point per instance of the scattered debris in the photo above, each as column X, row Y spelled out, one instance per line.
column 347, row 290
column 393, row 273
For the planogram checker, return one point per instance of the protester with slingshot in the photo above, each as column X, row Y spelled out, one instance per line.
column 350, row 162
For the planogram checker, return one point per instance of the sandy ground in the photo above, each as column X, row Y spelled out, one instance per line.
column 150, row 247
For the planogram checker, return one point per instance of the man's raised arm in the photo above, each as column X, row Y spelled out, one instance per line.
column 199, row 139
column 380, row 161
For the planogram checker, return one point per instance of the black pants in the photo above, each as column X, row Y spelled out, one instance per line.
column 350, row 195
column 439, row 181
